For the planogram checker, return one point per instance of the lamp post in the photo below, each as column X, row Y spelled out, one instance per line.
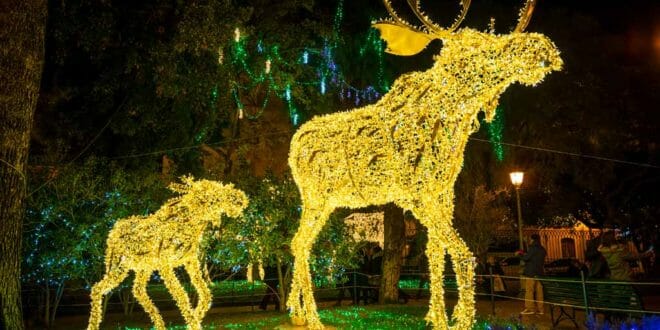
column 517, row 180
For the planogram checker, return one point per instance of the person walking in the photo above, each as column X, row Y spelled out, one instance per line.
column 534, row 260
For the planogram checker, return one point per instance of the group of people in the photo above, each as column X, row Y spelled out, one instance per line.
column 606, row 258
column 490, row 275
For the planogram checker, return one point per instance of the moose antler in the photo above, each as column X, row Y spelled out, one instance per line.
column 405, row 39
column 431, row 26
column 525, row 15
column 395, row 17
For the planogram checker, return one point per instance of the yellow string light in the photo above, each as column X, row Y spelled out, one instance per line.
column 163, row 241
column 268, row 63
column 250, row 273
column 408, row 149
column 237, row 34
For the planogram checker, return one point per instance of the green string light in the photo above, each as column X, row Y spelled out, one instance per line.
column 495, row 131
column 319, row 60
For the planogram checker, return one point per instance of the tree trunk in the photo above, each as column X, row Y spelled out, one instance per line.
column 22, row 30
column 395, row 239
column 281, row 292
column 47, row 309
column 125, row 296
column 50, row 316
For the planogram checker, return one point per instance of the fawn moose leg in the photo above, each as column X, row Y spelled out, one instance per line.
column 463, row 261
column 311, row 223
column 202, row 289
column 140, row 293
column 181, row 297
column 100, row 289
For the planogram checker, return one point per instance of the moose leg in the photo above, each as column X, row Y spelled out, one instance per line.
column 442, row 232
column 100, row 289
column 463, row 261
column 201, row 287
column 311, row 223
column 140, row 293
column 435, row 252
column 181, row 297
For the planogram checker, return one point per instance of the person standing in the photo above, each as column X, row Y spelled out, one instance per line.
column 617, row 256
column 534, row 260
column 596, row 262
column 494, row 269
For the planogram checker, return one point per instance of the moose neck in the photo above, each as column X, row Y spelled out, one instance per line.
column 439, row 94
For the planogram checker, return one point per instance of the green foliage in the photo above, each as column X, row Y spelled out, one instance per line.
column 264, row 232
column 567, row 221
column 480, row 212
column 69, row 216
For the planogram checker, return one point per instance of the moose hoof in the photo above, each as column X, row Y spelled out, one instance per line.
column 298, row 320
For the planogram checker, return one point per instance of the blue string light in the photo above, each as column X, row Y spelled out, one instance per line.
column 323, row 62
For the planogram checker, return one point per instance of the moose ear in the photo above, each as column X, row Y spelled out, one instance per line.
column 402, row 40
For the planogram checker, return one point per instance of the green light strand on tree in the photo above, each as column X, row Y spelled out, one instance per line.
column 495, row 131
column 275, row 75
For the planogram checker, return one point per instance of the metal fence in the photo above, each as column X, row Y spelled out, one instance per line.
column 360, row 286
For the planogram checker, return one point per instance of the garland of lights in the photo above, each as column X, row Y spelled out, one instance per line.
column 408, row 148
column 163, row 241
column 320, row 60
column 495, row 130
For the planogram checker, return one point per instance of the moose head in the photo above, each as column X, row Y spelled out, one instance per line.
column 207, row 199
column 484, row 63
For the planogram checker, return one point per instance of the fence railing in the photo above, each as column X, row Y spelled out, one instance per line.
column 357, row 284
column 589, row 295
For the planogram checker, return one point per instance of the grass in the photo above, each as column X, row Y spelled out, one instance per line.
column 377, row 317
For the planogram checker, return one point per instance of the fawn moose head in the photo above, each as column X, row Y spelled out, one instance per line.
column 208, row 199
column 480, row 60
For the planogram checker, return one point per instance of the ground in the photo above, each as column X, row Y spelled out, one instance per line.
column 408, row 316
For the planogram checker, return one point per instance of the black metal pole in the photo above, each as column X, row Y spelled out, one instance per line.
column 492, row 291
column 584, row 293
column 356, row 299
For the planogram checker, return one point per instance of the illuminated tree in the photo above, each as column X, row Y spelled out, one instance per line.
column 68, row 217
column 22, row 31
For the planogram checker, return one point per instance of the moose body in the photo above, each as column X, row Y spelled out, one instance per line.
column 420, row 111
column 408, row 149
column 163, row 241
column 170, row 250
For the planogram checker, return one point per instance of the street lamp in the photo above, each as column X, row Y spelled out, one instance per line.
column 517, row 180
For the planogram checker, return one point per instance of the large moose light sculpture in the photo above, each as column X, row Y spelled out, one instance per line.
column 169, row 238
column 408, row 147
